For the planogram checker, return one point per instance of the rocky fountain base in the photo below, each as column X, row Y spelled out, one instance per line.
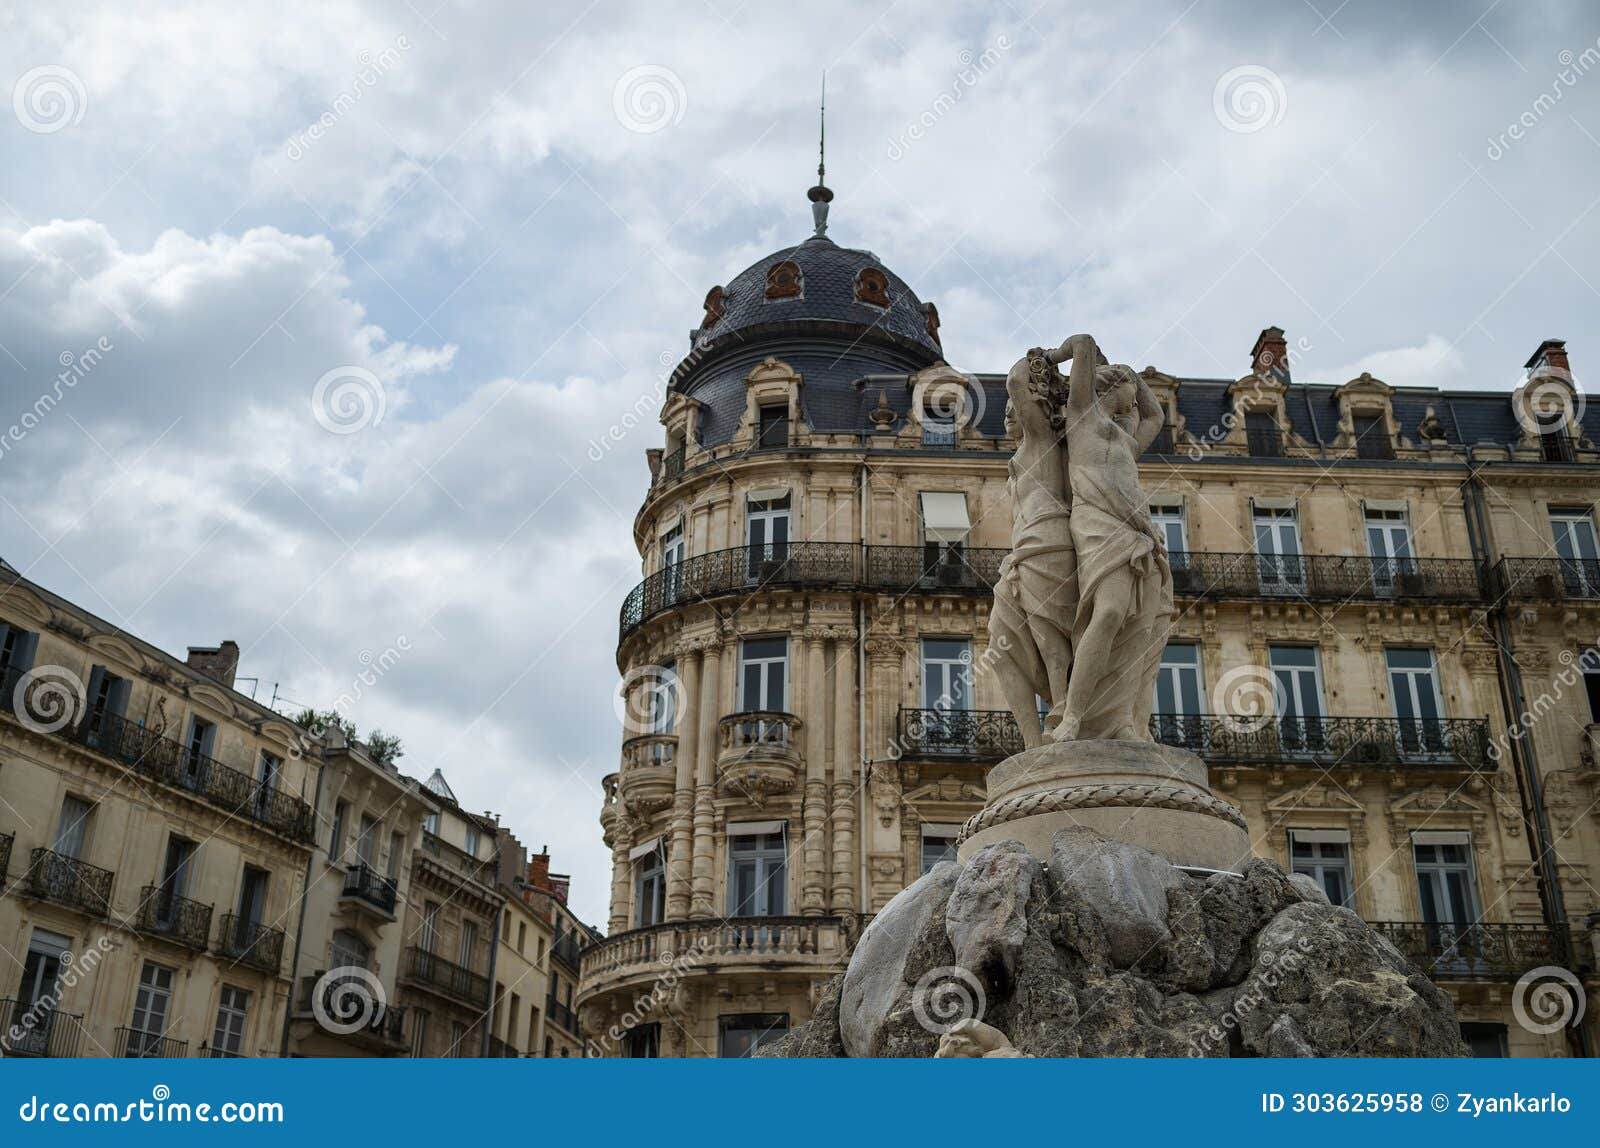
column 1107, row 949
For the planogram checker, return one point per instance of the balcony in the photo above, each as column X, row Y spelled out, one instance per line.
column 1546, row 579
column 457, row 861
column 649, row 774
column 1264, row 441
column 247, row 942
column 384, row 1030
column 1451, row 744
column 963, row 735
column 741, row 570
column 133, row 1043
column 804, row 945
column 671, row 465
column 370, row 889
column 164, row 914
column 171, row 763
column 758, row 754
column 1484, row 951
column 927, row 568
column 67, row 881
column 433, row 972
column 29, row 1030
column 1324, row 577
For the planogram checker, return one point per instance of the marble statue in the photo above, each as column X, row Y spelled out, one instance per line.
column 1084, row 600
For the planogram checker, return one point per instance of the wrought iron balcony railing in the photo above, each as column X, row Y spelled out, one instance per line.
column 162, row 913
column 971, row 735
column 743, row 569
column 371, row 887
column 32, row 1030
column 1324, row 577
column 138, row 1044
column 1352, row 742
column 1546, row 579
column 433, row 971
column 248, row 942
column 1264, row 442
column 974, row 568
column 672, row 465
column 170, row 762
column 1482, row 951
column 67, row 881
column 385, row 1024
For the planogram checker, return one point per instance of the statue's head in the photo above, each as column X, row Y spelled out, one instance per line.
column 1013, row 424
column 1116, row 389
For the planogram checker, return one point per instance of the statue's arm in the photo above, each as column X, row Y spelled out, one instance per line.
column 1151, row 417
column 1085, row 355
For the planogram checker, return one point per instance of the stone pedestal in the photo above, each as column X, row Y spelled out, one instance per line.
column 1141, row 792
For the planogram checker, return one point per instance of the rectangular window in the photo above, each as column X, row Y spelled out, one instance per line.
column 430, row 823
column 1484, row 1040
column 397, row 848
column 1446, row 887
column 522, row 936
column 1576, row 552
column 233, row 1008
column 742, row 1035
column 672, row 554
column 1414, row 683
column 642, row 1042
column 947, row 674
column 367, row 841
column 1262, row 435
column 151, row 1004
column 650, row 887
column 41, row 969
column 938, row 844
column 269, row 770
column 17, row 649
column 1372, row 436
column 939, row 428
column 773, row 431
column 1279, row 565
column 1394, row 569
column 945, row 527
column 341, row 817
column 107, row 696
column 766, row 537
column 1169, row 522
column 474, row 838
column 72, row 827
column 201, row 743
column 757, row 871
column 429, row 934
column 1324, row 856
column 419, row 1031
column 664, row 704
column 1179, row 695
column 1297, row 692
column 253, row 895
column 175, row 868
column 469, row 945
column 764, row 688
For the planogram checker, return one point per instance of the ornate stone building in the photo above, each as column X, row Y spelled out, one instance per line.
column 1374, row 581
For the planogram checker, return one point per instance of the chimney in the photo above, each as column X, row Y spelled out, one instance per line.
column 539, row 870
column 217, row 662
column 1549, row 359
column 1270, row 356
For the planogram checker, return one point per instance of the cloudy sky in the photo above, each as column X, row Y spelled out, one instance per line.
column 494, row 224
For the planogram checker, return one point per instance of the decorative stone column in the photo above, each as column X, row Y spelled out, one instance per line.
column 621, row 843
column 681, row 843
column 813, row 886
column 843, row 894
column 702, row 881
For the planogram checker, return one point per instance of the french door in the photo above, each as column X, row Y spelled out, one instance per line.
column 1414, row 682
column 1448, row 897
column 1297, row 682
column 1279, row 564
column 766, row 536
column 1389, row 545
column 150, row 1006
column 764, row 687
column 947, row 691
column 1168, row 520
column 1579, row 556
column 672, row 552
column 1177, row 703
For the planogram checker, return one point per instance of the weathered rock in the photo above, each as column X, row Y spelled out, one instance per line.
column 1309, row 889
column 1123, row 886
column 817, row 1037
column 985, row 917
column 874, row 985
column 1347, row 993
column 1234, row 910
column 1284, row 1038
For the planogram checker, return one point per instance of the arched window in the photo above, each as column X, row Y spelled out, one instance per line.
column 783, row 280
column 716, row 306
column 872, row 286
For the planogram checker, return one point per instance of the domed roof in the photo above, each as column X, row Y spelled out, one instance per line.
column 830, row 288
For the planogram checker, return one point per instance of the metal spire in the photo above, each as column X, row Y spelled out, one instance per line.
column 821, row 195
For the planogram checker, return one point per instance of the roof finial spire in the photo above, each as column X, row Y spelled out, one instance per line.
column 820, row 196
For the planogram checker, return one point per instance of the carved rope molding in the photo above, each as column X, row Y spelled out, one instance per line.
column 1101, row 797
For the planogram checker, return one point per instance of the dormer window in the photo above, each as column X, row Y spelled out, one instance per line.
column 1372, row 437
column 783, row 280
column 716, row 306
column 1262, row 434
column 773, row 430
column 872, row 286
column 1555, row 444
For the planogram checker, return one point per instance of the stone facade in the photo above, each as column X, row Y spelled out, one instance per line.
column 1334, row 548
